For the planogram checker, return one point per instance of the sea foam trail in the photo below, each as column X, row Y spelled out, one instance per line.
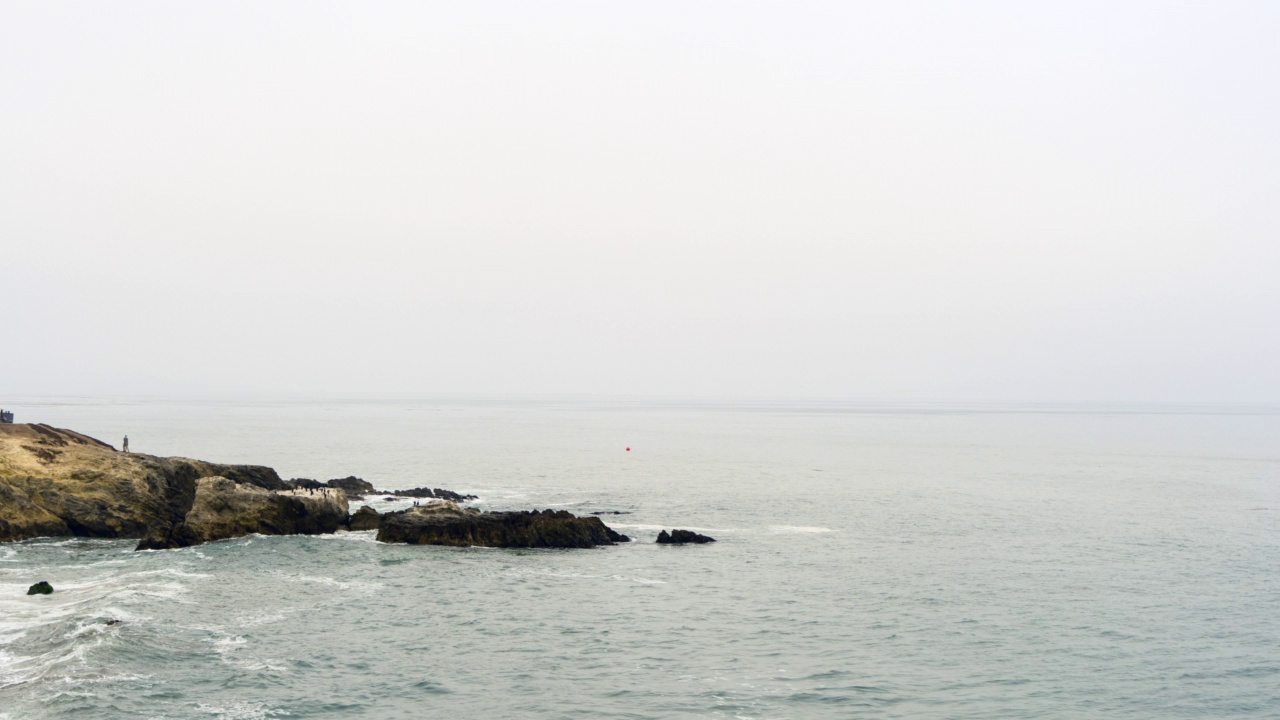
column 51, row 638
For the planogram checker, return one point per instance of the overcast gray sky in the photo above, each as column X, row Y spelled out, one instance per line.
column 991, row 201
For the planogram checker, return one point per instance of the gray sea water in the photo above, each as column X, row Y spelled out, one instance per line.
column 874, row 561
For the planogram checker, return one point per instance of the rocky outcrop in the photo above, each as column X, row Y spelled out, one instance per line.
column 680, row 537
column 437, row 493
column 224, row 509
column 255, row 475
column 58, row 482
column 445, row 523
column 366, row 518
column 353, row 486
column 41, row 588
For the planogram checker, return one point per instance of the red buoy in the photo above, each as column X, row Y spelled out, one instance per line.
column 628, row 449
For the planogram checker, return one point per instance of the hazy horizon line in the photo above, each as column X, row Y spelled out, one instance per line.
column 14, row 401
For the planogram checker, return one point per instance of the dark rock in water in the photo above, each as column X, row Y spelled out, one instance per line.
column 445, row 523
column 352, row 486
column 366, row 518
column 40, row 588
column 113, row 621
column 389, row 498
column 611, row 512
column 306, row 484
column 451, row 495
column 679, row 537
column 438, row 493
column 423, row 492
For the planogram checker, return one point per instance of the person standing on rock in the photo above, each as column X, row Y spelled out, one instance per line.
column 126, row 443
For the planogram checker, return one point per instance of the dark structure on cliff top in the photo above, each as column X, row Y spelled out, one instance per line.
column 6, row 416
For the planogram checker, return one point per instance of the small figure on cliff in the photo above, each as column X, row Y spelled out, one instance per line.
column 126, row 443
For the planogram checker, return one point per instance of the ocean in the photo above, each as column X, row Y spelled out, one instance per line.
column 872, row 561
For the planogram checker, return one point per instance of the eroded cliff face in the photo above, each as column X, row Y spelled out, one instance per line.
column 223, row 508
column 59, row 482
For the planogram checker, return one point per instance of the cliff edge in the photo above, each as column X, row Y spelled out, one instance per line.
column 58, row 482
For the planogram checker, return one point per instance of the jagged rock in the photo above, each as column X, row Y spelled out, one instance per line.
column 256, row 475
column 679, row 537
column 175, row 536
column 422, row 492
column 226, row 509
column 305, row 484
column 438, row 493
column 352, row 486
column 40, row 588
column 445, row 523
column 443, row 494
column 366, row 518
column 89, row 489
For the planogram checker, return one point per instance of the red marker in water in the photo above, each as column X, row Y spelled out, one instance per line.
column 628, row 449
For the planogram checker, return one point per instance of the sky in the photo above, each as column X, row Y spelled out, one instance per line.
column 990, row 201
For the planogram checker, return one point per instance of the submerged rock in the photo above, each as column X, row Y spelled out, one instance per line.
column 366, row 518
column 680, row 537
column 445, row 523
column 40, row 588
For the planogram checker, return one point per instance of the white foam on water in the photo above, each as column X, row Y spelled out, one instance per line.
column 238, row 711
column 20, row 670
column 639, row 526
column 174, row 572
column 229, row 650
column 320, row 580
column 228, row 643
column 363, row 536
column 76, row 618
column 263, row 619
column 125, row 677
column 581, row 576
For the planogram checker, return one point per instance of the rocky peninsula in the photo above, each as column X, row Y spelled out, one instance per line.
column 56, row 482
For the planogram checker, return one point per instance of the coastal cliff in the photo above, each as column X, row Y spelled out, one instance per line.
column 56, row 482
